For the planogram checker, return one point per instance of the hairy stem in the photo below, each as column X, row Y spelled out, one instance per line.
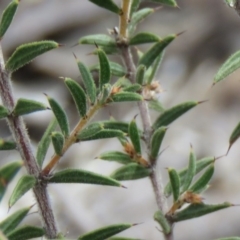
column 155, row 177
column 20, row 135
column 71, row 139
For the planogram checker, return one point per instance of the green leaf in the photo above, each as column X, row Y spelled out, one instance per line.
column 134, row 136
column 115, row 125
column 25, row 232
column 134, row 6
column 144, row 37
column 201, row 183
column 234, row 136
column 108, row 4
column 232, row 4
column 82, row 176
column 78, row 95
column 198, row 210
column 116, row 69
column 11, row 222
column 175, row 183
column 106, row 232
column 171, row 3
column 155, row 67
column 161, row 219
column 44, row 143
column 137, row 17
column 228, row 67
column 88, row 81
column 105, row 71
column 7, row 173
column 200, row 165
column 156, row 141
column 26, row 106
column 103, row 134
column 7, row 145
column 24, row 184
column 131, row 171
column 126, row 97
column 27, row 52
column 141, row 69
column 173, row 113
column 60, row 116
column 105, row 93
column 58, row 141
column 132, row 88
column 3, row 112
column 99, row 40
column 7, row 17
column 90, row 130
column 190, row 172
column 150, row 56
column 116, row 156
column 155, row 105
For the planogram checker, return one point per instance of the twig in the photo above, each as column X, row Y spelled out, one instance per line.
column 20, row 135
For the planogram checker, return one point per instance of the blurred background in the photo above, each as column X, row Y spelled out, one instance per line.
column 190, row 63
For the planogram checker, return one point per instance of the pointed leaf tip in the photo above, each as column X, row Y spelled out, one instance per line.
column 107, row 4
column 27, row 52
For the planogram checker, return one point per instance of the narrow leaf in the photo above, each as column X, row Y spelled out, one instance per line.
column 175, row 183
column 126, row 97
column 156, row 142
column 115, row 125
column 131, row 171
column 200, row 165
column 149, row 57
column 156, row 105
column 106, row 232
column 141, row 69
column 198, row 210
column 134, row 136
column 155, row 67
column 201, row 183
column 134, row 6
column 82, row 176
column 144, row 37
column 105, row 94
column 90, row 130
column 173, row 113
column 105, row 71
column 232, row 64
column 190, row 172
column 161, row 219
column 115, row 156
column 99, row 40
column 171, row 3
column 44, row 143
column 7, row 16
column 60, row 116
column 7, row 173
column 10, row 223
column 137, row 17
column 24, row 184
column 132, row 88
column 26, row 232
column 88, row 81
column 108, row 4
column 103, row 134
column 26, row 106
column 27, row 52
column 116, row 69
column 58, row 141
column 234, row 136
column 7, row 145
column 3, row 112
column 78, row 95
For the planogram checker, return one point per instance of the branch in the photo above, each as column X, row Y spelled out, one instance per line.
column 20, row 135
